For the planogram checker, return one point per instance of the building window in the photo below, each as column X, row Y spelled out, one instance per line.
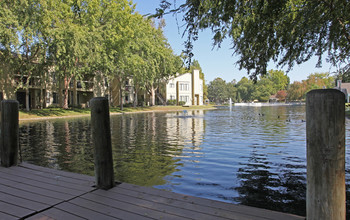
column 126, row 98
column 172, row 97
column 172, row 85
column 184, row 87
column 55, row 98
column 184, row 98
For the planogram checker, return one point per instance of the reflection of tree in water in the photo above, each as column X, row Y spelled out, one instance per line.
column 61, row 144
column 281, row 190
column 347, row 181
column 140, row 150
column 28, row 137
column 75, row 152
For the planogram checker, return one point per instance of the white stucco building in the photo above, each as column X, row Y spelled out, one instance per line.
column 187, row 87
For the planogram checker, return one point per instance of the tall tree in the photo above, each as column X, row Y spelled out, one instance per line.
column 69, row 46
column 298, row 90
column 263, row 89
column 232, row 91
column 148, row 59
column 288, row 32
column 279, row 79
column 217, row 90
column 245, row 89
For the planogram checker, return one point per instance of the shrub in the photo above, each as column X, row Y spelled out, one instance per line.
column 182, row 103
column 171, row 102
column 128, row 105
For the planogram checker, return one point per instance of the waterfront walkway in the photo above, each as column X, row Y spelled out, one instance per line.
column 32, row 192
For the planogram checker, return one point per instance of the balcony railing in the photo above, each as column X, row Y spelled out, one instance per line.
column 34, row 82
column 85, row 85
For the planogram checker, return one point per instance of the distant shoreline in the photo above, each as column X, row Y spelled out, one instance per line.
column 259, row 104
column 57, row 113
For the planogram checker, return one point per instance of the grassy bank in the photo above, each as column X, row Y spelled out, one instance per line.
column 76, row 112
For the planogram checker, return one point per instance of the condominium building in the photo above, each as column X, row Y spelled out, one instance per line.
column 186, row 87
column 47, row 89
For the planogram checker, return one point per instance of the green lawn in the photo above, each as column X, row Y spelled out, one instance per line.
column 59, row 112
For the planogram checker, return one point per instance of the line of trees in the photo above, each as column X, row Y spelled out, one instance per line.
column 78, row 38
column 275, row 82
column 297, row 90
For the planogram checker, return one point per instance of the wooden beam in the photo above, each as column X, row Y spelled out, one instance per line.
column 325, row 135
column 101, row 134
column 9, row 133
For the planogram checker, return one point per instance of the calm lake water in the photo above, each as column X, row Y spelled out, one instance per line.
column 250, row 155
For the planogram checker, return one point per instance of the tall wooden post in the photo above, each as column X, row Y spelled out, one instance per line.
column 325, row 133
column 101, row 134
column 9, row 133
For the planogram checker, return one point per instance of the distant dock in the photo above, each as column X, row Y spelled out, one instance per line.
column 33, row 192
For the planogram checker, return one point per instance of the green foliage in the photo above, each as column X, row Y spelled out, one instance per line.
column 262, row 90
column 298, row 90
column 171, row 102
column 181, row 103
column 288, row 32
column 82, row 39
column 148, row 58
column 217, row 91
column 247, row 90
column 279, row 79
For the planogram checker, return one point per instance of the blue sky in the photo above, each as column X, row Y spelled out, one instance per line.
column 218, row 62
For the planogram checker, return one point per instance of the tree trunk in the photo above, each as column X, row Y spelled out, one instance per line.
column 27, row 99
column 75, row 94
column 66, row 90
column 121, row 96
column 41, row 98
column 153, row 96
column 135, row 99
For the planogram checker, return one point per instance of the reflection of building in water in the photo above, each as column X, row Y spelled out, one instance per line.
column 186, row 127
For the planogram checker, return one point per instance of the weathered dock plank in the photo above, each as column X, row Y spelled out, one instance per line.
column 54, row 213
column 36, row 189
column 32, row 192
column 59, row 172
column 29, row 204
column 178, row 212
column 29, row 174
column 107, row 198
column 52, row 185
column 14, row 210
column 57, row 176
column 235, row 209
column 83, row 212
column 4, row 216
column 32, row 196
column 108, row 209
column 170, row 205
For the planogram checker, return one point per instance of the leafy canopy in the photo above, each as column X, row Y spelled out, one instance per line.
column 287, row 32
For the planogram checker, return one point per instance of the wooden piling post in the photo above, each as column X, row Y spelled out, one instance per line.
column 101, row 134
column 325, row 134
column 9, row 144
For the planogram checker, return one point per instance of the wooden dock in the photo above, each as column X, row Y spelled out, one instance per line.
column 32, row 192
